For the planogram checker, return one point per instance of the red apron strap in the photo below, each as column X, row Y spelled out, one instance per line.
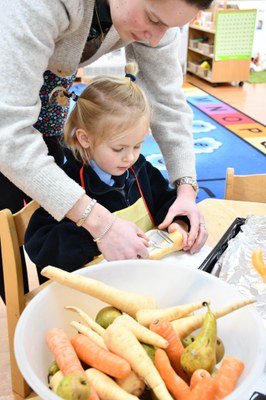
column 81, row 175
column 143, row 198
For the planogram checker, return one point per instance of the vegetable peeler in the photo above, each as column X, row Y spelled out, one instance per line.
column 162, row 243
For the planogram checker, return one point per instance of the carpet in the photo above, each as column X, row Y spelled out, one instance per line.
column 223, row 137
column 257, row 77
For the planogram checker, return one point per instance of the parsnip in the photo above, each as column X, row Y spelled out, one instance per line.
column 185, row 326
column 120, row 340
column 90, row 321
column 107, row 388
column 128, row 302
column 158, row 253
column 142, row 333
column 55, row 380
column 146, row 316
column 132, row 384
column 87, row 331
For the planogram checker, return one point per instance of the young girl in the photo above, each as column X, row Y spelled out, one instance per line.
column 104, row 133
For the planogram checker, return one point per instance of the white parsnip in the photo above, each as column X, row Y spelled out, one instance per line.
column 107, row 388
column 142, row 333
column 185, row 326
column 121, row 341
column 146, row 316
column 55, row 380
column 132, row 384
column 128, row 302
column 87, row 331
column 89, row 321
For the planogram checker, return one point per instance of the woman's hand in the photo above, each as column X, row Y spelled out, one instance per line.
column 124, row 241
column 185, row 205
column 181, row 227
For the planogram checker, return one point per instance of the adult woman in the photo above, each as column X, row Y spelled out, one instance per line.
column 52, row 38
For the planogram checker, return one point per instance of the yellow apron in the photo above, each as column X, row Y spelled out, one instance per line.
column 138, row 213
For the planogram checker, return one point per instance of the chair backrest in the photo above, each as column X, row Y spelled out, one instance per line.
column 245, row 187
column 12, row 232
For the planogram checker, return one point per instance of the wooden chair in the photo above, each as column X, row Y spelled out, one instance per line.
column 245, row 187
column 12, row 231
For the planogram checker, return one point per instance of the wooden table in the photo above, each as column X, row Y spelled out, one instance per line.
column 219, row 214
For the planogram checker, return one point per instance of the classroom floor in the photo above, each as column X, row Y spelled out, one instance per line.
column 250, row 99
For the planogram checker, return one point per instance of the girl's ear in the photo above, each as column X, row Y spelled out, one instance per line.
column 83, row 138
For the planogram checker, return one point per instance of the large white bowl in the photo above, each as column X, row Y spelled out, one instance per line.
column 242, row 331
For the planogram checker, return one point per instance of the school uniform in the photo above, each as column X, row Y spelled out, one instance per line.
column 141, row 195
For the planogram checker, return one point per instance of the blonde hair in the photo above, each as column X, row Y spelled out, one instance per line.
column 107, row 106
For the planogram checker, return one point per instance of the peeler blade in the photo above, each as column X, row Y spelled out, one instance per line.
column 159, row 239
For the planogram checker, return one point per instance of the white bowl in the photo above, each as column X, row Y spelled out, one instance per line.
column 242, row 331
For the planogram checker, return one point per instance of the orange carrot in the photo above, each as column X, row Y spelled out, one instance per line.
column 175, row 346
column 96, row 356
column 63, row 352
column 197, row 376
column 176, row 385
column 227, row 376
column 206, row 389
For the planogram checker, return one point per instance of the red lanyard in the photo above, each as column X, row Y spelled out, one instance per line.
column 81, row 175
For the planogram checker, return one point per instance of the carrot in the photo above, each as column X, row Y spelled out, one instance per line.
column 205, row 390
column 174, row 383
column 227, row 375
column 258, row 263
column 90, row 321
column 63, row 352
column 120, row 340
column 106, row 387
column 197, row 376
column 128, row 302
column 95, row 356
column 185, row 326
column 87, row 331
column 142, row 333
column 146, row 316
column 175, row 346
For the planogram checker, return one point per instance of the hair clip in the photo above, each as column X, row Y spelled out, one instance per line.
column 71, row 95
column 131, row 77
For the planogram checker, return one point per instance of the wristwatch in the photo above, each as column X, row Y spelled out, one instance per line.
column 187, row 180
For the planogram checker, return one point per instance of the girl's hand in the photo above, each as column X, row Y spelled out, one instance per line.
column 185, row 205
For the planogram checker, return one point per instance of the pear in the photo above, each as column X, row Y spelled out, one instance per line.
column 220, row 350
column 150, row 350
column 188, row 340
column 74, row 387
column 107, row 315
column 53, row 368
column 201, row 353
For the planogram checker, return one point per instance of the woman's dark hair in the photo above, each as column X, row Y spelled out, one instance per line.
column 201, row 4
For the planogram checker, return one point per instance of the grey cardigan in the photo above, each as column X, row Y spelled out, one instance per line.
column 51, row 34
